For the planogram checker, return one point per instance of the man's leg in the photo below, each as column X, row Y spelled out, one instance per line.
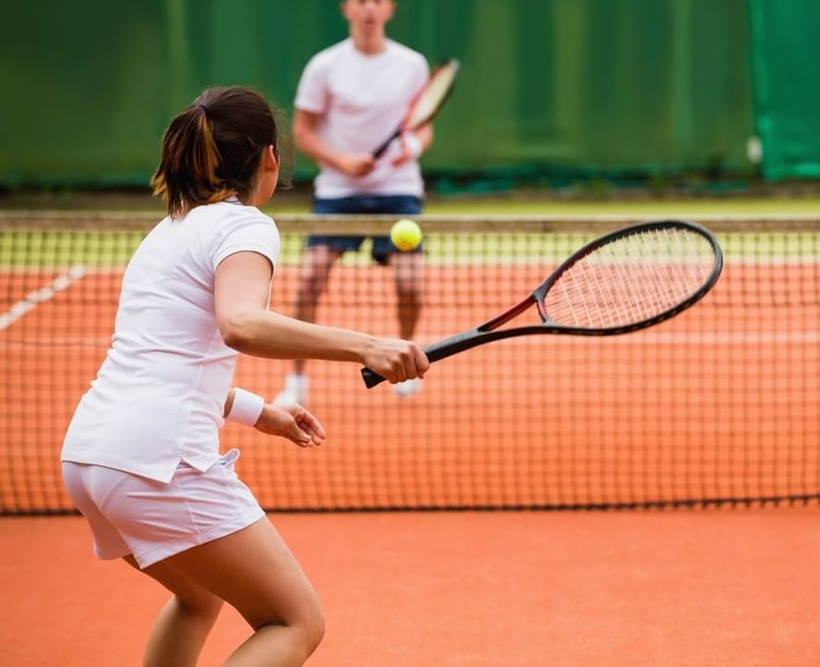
column 407, row 269
column 313, row 279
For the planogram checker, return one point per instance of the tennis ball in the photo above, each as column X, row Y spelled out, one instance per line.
column 406, row 235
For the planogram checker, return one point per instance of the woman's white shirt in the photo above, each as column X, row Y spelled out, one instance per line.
column 159, row 395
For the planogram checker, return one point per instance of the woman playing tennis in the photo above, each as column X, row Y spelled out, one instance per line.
column 141, row 456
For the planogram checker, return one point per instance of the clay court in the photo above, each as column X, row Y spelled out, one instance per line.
column 713, row 413
column 512, row 589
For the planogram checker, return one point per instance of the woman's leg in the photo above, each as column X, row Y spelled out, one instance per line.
column 182, row 626
column 255, row 572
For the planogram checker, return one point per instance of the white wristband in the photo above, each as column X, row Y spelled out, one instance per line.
column 246, row 407
column 413, row 144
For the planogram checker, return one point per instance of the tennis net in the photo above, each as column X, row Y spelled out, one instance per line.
column 718, row 406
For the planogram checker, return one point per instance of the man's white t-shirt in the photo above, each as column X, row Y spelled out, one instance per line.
column 159, row 395
column 361, row 100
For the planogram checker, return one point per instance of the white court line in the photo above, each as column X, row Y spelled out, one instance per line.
column 46, row 293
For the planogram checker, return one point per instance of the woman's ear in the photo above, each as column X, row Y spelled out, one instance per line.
column 269, row 160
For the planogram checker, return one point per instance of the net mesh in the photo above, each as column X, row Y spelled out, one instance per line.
column 716, row 406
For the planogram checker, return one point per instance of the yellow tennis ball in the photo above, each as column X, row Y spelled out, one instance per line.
column 406, row 235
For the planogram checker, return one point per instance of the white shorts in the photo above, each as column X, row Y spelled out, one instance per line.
column 129, row 514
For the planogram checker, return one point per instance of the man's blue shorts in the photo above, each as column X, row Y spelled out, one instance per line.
column 376, row 204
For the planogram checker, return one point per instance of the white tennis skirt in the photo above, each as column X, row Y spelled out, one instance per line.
column 151, row 520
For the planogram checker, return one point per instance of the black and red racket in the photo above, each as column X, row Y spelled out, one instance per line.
column 427, row 102
column 626, row 280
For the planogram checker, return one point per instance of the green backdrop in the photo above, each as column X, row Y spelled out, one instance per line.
column 612, row 87
column 785, row 50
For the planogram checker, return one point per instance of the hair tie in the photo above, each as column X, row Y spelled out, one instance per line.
column 203, row 107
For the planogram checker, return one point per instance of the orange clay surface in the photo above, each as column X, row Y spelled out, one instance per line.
column 678, row 589
column 703, row 405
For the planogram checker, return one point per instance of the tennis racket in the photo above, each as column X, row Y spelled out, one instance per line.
column 427, row 102
column 626, row 280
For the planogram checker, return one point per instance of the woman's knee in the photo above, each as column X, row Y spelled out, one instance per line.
column 312, row 628
column 307, row 622
column 205, row 606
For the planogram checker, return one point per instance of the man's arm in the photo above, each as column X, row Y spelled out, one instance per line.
column 308, row 141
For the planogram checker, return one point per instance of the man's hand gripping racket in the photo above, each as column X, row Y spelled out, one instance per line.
column 626, row 280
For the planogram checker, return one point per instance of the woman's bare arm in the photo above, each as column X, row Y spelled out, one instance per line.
column 241, row 295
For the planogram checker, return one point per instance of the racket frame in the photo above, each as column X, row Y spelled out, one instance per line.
column 405, row 126
column 488, row 331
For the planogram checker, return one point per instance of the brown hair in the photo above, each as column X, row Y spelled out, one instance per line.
column 211, row 151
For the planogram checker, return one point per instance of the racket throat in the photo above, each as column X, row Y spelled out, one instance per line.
column 454, row 344
column 473, row 338
column 506, row 316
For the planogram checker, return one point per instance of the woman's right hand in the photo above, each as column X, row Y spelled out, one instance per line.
column 396, row 360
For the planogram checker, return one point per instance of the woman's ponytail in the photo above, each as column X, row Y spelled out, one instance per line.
column 211, row 150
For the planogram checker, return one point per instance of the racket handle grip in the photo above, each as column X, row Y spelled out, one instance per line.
column 370, row 378
column 440, row 350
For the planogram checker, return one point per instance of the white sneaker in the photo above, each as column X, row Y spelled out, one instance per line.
column 407, row 388
column 294, row 391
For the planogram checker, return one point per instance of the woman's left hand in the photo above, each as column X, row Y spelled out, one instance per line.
column 293, row 422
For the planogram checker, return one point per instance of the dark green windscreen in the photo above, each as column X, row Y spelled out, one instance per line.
column 597, row 86
column 785, row 52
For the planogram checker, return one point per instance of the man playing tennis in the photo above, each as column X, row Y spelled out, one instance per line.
column 350, row 98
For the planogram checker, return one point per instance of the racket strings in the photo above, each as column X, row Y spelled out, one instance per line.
column 428, row 102
column 632, row 279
